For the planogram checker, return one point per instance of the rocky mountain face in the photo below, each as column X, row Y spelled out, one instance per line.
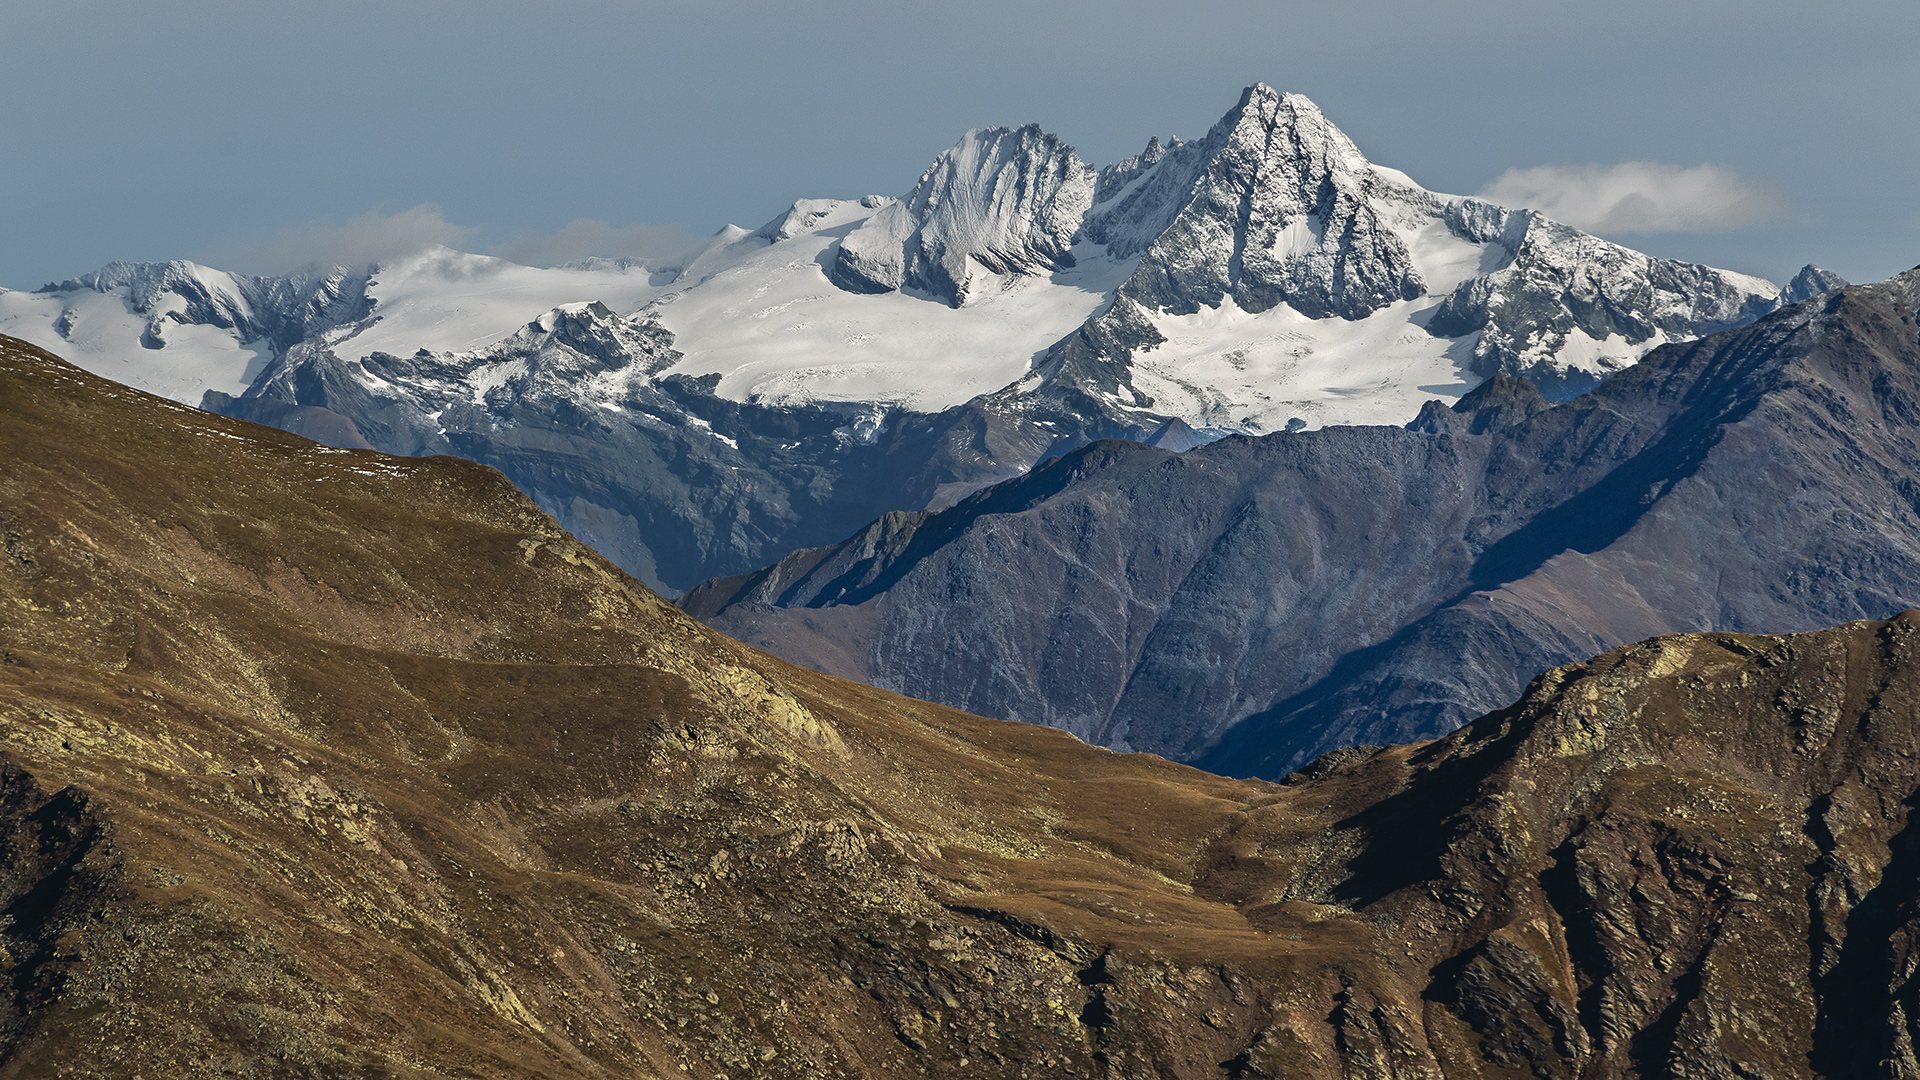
column 1810, row 282
column 1255, row 602
column 1275, row 205
column 322, row 762
column 1559, row 285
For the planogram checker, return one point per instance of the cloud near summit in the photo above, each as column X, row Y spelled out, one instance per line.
column 373, row 237
column 385, row 236
column 1639, row 197
column 655, row 245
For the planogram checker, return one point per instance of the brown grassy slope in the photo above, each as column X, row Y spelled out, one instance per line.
column 380, row 768
column 325, row 763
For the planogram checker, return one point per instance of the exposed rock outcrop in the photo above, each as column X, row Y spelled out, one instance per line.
column 1275, row 205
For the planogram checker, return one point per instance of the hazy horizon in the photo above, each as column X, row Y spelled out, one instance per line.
column 1756, row 139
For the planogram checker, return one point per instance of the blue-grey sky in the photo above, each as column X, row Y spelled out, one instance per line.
column 252, row 134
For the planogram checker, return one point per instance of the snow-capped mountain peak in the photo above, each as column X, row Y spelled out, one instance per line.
column 1275, row 205
column 1000, row 201
column 779, row 386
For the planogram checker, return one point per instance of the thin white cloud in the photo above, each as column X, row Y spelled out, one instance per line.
column 1639, row 197
column 376, row 236
column 657, row 246
column 383, row 236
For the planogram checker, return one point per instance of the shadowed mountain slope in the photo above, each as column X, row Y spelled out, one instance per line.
column 1255, row 602
column 325, row 763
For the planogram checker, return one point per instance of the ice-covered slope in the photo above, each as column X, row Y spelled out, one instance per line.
column 1229, row 369
column 446, row 301
column 103, row 333
column 764, row 315
column 754, row 307
column 179, row 329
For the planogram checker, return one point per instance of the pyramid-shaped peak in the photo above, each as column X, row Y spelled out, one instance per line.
column 1274, row 205
column 1262, row 93
column 1810, row 282
column 1287, row 125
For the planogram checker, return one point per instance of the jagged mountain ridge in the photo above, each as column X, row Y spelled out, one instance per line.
column 1257, row 601
column 284, row 310
column 659, row 473
column 327, row 762
column 1274, row 206
column 1277, row 206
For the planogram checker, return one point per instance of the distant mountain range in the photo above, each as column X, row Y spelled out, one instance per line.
column 788, row 384
column 1250, row 604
